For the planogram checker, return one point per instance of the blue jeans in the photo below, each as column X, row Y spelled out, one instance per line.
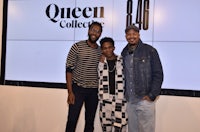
column 89, row 97
column 141, row 116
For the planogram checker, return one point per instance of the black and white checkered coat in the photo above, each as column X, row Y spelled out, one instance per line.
column 104, row 79
column 119, row 102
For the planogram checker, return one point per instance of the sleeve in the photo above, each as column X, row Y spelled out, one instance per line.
column 72, row 58
column 157, row 75
column 100, row 69
column 100, row 79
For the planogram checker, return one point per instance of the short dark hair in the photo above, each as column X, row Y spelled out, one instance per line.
column 135, row 28
column 96, row 23
column 107, row 39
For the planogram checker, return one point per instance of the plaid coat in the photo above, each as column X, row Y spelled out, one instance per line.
column 104, row 80
column 118, row 102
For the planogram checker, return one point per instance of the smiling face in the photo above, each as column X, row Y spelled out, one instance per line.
column 108, row 50
column 94, row 33
column 132, row 37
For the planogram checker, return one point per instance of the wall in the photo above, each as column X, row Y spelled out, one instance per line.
column 27, row 109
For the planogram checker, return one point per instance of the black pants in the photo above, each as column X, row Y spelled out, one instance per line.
column 89, row 97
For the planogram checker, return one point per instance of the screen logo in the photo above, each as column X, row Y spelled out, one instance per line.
column 142, row 14
column 73, row 17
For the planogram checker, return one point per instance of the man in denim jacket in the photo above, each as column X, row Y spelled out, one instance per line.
column 143, row 79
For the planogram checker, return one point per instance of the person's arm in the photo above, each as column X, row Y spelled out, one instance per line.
column 157, row 76
column 100, row 76
column 70, row 65
column 71, row 97
column 102, row 58
column 101, row 63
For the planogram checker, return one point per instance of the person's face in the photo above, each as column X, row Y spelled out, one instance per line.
column 108, row 50
column 94, row 33
column 132, row 37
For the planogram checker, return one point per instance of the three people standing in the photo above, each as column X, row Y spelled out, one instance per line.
column 138, row 74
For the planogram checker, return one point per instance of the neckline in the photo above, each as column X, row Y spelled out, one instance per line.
column 111, row 64
column 95, row 45
column 112, row 70
column 114, row 58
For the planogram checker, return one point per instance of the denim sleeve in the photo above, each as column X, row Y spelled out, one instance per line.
column 157, row 75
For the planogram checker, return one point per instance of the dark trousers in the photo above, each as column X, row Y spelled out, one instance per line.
column 88, row 97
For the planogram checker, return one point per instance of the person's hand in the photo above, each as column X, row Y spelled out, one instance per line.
column 146, row 98
column 102, row 58
column 71, row 98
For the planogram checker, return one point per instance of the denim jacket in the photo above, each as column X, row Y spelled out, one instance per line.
column 147, row 70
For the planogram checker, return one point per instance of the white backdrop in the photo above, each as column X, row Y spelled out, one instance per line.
column 37, row 47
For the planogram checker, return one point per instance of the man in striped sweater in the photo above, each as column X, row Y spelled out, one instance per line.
column 82, row 79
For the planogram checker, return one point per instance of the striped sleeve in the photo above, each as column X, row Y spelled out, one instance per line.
column 72, row 58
